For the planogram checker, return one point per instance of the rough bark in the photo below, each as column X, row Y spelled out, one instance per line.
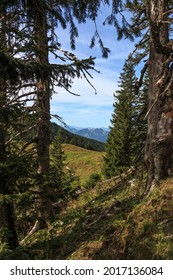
column 158, row 149
column 43, row 203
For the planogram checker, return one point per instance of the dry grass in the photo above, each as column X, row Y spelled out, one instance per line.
column 110, row 222
column 83, row 162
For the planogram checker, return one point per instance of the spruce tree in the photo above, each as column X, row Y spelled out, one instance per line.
column 12, row 166
column 63, row 180
column 58, row 161
column 29, row 37
column 127, row 133
column 42, row 20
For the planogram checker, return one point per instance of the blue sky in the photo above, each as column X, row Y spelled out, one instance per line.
column 90, row 110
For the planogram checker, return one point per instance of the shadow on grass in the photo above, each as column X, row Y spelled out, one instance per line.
column 86, row 234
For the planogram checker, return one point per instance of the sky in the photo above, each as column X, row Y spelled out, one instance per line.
column 90, row 109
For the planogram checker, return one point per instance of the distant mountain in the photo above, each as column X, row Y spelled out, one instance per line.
column 75, row 139
column 73, row 129
column 99, row 134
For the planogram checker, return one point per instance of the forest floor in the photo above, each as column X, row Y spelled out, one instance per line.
column 110, row 221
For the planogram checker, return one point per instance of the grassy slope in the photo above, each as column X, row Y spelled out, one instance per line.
column 111, row 221
column 83, row 162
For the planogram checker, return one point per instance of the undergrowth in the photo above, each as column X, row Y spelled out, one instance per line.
column 110, row 221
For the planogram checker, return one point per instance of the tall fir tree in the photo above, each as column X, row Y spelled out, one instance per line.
column 127, row 133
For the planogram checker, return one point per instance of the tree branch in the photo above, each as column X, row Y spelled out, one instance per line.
column 33, row 140
column 155, row 37
column 20, row 133
column 140, row 81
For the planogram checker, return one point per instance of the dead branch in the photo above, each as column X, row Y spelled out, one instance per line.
column 121, row 176
column 35, row 228
column 59, row 119
column 168, row 12
column 15, row 99
column 152, row 105
column 140, row 81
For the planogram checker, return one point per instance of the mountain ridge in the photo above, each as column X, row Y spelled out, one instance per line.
column 75, row 139
column 99, row 134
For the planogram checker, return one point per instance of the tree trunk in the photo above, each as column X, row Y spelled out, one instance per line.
column 44, row 202
column 158, row 149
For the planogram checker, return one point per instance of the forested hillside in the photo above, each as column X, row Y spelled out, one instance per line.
column 98, row 134
column 74, row 201
column 74, row 139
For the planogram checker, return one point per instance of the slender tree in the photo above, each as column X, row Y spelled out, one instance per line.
column 32, row 37
column 43, row 19
column 58, row 164
column 127, row 133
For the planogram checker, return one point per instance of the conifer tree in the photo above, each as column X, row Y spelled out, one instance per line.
column 127, row 133
column 12, row 166
column 58, row 160
column 31, row 38
column 63, row 180
column 43, row 17
column 8, row 233
column 155, row 18
column 118, row 149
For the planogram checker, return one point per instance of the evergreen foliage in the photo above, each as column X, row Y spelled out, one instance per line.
column 28, row 184
column 128, row 130
column 93, row 180
column 27, row 78
column 58, row 164
column 62, row 180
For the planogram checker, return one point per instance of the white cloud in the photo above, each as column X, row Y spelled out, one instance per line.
column 105, row 89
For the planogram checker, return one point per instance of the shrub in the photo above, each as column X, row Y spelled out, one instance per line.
column 93, row 180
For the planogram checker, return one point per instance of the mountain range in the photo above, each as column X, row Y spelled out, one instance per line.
column 99, row 134
column 75, row 139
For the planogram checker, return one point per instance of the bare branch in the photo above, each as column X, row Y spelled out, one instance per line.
column 19, row 97
column 75, row 94
column 59, row 119
column 168, row 12
column 140, row 81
